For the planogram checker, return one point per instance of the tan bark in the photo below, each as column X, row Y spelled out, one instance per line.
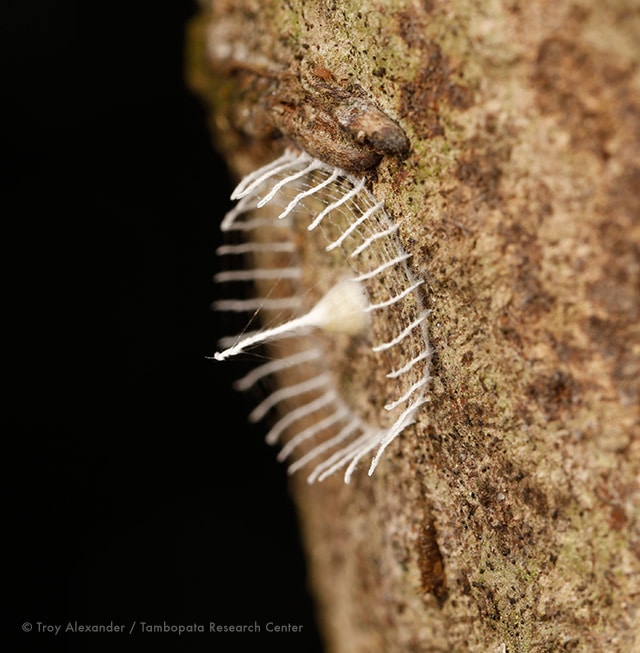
column 509, row 514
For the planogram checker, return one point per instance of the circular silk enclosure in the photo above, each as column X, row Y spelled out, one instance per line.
column 344, row 337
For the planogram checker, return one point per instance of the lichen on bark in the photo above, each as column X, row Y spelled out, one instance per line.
column 510, row 513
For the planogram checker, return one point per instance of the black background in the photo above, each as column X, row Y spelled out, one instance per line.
column 135, row 490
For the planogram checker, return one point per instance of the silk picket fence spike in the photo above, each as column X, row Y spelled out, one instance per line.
column 348, row 321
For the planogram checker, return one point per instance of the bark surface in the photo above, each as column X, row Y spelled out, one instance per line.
column 508, row 517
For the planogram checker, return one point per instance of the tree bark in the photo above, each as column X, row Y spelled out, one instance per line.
column 508, row 517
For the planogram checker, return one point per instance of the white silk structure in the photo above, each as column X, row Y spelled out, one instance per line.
column 371, row 310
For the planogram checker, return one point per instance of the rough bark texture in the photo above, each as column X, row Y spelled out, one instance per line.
column 508, row 517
